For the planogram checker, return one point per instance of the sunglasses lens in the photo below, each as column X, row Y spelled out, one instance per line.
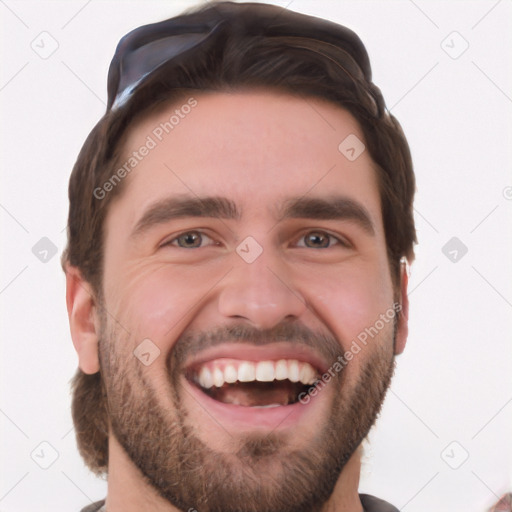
column 136, row 65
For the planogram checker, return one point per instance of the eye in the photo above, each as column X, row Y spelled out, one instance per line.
column 188, row 240
column 321, row 240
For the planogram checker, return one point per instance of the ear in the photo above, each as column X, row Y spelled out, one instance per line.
column 403, row 314
column 83, row 320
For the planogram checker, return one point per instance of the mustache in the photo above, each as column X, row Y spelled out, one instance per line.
column 191, row 343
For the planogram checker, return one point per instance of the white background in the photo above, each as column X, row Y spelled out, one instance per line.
column 453, row 383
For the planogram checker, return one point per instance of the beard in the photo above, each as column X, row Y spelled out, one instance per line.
column 262, row 474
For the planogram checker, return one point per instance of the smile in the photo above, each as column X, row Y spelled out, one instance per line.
column 254, row 383
column 255, row 386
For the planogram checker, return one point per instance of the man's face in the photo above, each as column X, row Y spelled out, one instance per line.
column 240, row 304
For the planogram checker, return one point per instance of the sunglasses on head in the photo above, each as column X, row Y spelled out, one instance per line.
column 146, row 49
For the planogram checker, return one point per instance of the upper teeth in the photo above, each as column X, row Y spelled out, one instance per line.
column 222, row 371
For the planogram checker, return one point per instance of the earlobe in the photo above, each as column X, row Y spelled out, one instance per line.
column 403, row 314
column 83, row 321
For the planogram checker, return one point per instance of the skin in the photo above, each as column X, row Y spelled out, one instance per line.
column 256, row 148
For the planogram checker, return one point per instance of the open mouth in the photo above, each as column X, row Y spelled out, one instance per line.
column 262, row 384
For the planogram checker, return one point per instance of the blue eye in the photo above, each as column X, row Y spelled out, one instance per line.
column 188, row 240
column 321, row 240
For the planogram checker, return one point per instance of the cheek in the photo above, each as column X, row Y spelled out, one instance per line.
column 351, row 300
column 157, row 302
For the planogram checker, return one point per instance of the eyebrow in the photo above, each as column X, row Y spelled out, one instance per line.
column 180, row 207
column 329, row 208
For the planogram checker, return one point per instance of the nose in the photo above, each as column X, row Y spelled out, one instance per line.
column 261, row 292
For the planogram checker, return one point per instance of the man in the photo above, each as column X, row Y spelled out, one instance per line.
column 240, row 221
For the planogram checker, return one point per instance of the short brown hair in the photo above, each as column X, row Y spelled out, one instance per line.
column 237, row 60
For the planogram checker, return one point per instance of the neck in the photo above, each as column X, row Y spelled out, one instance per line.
column 345, row 497
column 128, row 490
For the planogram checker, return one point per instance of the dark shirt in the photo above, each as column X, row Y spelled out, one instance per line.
column 370, row 504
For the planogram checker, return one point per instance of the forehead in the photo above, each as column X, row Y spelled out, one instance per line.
column 256, row 146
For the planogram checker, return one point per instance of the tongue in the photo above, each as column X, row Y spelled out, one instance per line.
column 251, row 394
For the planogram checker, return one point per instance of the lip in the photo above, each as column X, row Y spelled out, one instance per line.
column 270, row 352
column 242, row 418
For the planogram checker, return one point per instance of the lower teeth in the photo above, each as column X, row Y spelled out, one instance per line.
column 258, row 395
